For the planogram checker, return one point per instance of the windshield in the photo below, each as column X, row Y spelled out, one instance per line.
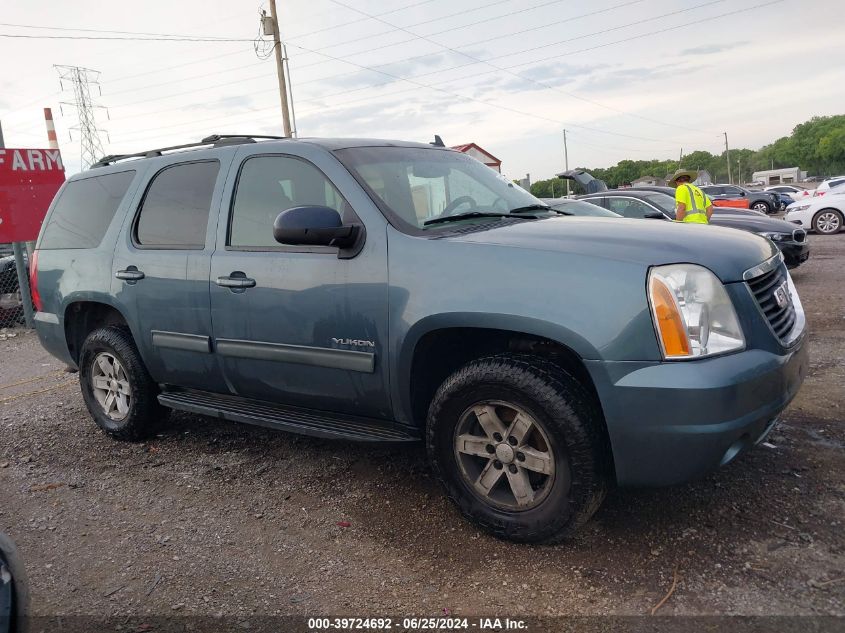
column 576, row 207
column 418, row 185
column 663, row 202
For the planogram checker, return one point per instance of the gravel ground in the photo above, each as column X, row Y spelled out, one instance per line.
column 216, row 518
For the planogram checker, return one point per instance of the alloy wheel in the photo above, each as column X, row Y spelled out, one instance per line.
column 828, row 222
column 504, row 455
column 110, row 385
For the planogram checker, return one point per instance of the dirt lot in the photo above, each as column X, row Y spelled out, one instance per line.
column 218, row 518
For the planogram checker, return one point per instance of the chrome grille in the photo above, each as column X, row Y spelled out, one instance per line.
column 765, row 288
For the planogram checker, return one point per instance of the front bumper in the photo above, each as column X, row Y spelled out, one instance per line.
column 794, row 253
column 674, row 421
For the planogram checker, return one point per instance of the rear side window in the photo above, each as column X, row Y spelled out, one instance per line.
column 84, row 211
column 174, row 212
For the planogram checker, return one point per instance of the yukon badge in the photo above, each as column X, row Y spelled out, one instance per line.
column 352, row 342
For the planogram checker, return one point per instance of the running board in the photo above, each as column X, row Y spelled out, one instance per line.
column 293, row 419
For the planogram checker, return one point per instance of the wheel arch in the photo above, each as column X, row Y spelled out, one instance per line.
column 81, row 317
column 436, row 347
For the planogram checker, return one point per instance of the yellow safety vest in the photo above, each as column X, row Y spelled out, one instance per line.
column 695, row 216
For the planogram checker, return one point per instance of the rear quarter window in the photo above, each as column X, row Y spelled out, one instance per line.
column 84, row 211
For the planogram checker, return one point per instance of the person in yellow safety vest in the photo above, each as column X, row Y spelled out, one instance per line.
column 691, row 204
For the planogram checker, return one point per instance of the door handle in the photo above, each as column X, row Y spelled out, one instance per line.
column 130, row 274
column 236, row 280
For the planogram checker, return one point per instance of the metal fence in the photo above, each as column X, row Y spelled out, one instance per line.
column 13, row 293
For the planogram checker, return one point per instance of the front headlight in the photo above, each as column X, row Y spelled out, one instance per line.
column 776, row 237
column 692, row 313
column 803, row 207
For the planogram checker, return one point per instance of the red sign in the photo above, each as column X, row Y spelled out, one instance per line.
column 29, row 179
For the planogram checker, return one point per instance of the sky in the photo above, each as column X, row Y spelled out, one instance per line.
column 636, row 79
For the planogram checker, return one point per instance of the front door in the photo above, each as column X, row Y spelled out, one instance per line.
column 295, row 325
column 160, row 273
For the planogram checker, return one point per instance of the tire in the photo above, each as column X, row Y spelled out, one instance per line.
column 21, row 603
column 134, row 411
column 566, row 421
column 827, row 222
column 762, row 205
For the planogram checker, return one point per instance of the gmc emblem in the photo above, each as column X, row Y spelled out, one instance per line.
column 782, row 295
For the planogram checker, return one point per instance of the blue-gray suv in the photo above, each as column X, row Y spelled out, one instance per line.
column 387, row 291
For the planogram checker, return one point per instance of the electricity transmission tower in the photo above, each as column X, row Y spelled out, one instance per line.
column 81, row 79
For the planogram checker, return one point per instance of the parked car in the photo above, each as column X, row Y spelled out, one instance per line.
column 11, row 307
column 384, row 291
column 795, row 193
column 723, row 205
column 14, row 589
column 767, row 202
column 824, row 215
column 568, row 206
column 825, row 186
column 789, row 238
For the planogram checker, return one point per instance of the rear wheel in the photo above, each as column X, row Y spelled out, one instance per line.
column 517, row 444
column 827, row 221
column 762, row 206
column 118, row 391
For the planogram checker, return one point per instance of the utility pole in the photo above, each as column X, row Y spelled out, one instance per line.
column 280, row 69
column 566, row 161
column 739, row 171
column 680, row 157
column 728, row 157
column 91, row 147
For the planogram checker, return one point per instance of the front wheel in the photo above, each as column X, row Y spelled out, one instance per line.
column 827, row 221
column 763, row 207
column 517, row 444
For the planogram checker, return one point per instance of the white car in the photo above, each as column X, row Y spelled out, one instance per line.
column 822, row 214
column 796, row 193
column 827, row 185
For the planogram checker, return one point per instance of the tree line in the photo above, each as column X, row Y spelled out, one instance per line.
column 816, row 146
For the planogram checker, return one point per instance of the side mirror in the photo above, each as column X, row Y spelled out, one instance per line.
column 654, row 215
column 313, row 226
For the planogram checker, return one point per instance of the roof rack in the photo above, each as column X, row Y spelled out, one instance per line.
column 215, row 140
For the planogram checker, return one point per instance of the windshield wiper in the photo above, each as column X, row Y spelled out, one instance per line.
column 536, row 207
column 464, row 216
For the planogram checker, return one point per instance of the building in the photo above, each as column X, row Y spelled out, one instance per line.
column 648, row 181
column 481, row 155
column 779, row 176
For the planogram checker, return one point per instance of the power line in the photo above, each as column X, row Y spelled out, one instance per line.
column 454, row 28
column 183, row 79
column 345, row 74
column 395, row 78
column 515, row 74
column 332, row 28
column 81, row 30
column 121, row 38
column 544, row 59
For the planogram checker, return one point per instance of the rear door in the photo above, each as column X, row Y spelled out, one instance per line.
column 160, row 270
column 306, row 327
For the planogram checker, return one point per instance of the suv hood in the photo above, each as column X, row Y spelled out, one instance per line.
column 727, row 252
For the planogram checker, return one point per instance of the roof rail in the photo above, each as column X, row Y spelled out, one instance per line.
column 215, row 140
